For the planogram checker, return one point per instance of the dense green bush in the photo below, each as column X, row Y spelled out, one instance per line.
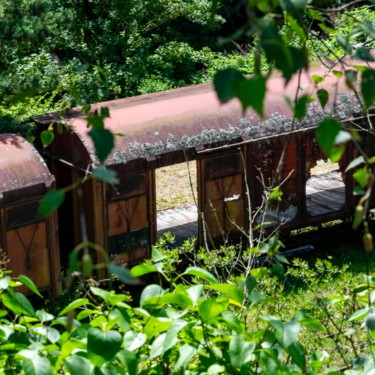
column 192, row 324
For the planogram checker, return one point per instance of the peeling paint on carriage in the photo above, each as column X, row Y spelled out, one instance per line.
column 21, row 166
column 191, row 117
column 29, row 239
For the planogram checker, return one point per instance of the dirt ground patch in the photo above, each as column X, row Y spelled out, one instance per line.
column 174, row 188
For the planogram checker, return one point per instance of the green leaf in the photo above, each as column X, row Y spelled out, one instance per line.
column 85, row 314
column 216, row 369
column 312, row 322
column 180, row 299
column 314, row 14
column 299, row 59
column 342, row 137
column 291, row 332
column 361, row 176
column 240, row 351
column 297, row 353
column 185, row 354
column 74, row 264
column 36, row 366
column 275, row 194
column 201, row 273
column 142, row 269
column 73, row 305
column 30, row 284
column 78, row 365
column 231, row 321
column 102, row 293
column 150, row 291
column 336, row 153
column 360, row 314
column 210, row 309
column 363, row 54
column 221, row 287
column 300, row 108
column 194, row 292
column 47, row 137
column 156, row 255
column 102, row 346
column 51, row 202
column 294, row 25
column 50, row 333
column 4, row 282
column 270, row 363
column 326, row 134
column 295, row 8
column 262, row 5
column 236, row 296
column 104, row 142
column 368, row 87
column 172, row 333
column 121, row 272
column 157, row 346
column 225, row 83
column 134, row 340
column 251, row 93
column 351, row 78
column 337, row 73
column 18, row 304
column 323, row 97
column 44, row 316
column 317, row 79
column 105, row 174
column 343, row 41
column 129, row 360
column 355, row 163
column 286, row 58
column 368, row 28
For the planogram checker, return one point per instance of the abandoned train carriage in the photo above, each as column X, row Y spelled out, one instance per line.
column 232, row 153
column 28, row 239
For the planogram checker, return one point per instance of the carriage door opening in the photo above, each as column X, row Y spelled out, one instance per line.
column 176, row 201
column 222, row 193
column 325, row 189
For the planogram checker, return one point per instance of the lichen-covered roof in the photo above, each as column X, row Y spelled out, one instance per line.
column 21, row 166
column 190, row 117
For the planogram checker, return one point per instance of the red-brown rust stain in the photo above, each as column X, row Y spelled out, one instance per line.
column 20, row 165
column 188, row 111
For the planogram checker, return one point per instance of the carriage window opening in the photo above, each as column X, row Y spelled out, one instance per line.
column 325, row 188
column 24, row 214
column 176, row 199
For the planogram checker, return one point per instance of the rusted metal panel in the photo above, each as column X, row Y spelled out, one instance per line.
column 127, row 215
column 23, row 172
column 129, row 218
column 222, row 195
column 267, row 172
column 183, row 119
column 28, row 253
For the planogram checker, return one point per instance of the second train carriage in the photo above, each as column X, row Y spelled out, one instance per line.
column 28, row 240
column 233, row 153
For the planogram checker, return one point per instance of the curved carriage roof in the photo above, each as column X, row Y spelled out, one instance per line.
column 193, row 116
column 21, row 167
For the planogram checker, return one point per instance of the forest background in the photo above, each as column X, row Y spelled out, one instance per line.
column 59, row 54
column 274, row 320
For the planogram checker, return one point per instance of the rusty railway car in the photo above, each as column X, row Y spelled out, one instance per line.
column 235, row 155
column 29, row 240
